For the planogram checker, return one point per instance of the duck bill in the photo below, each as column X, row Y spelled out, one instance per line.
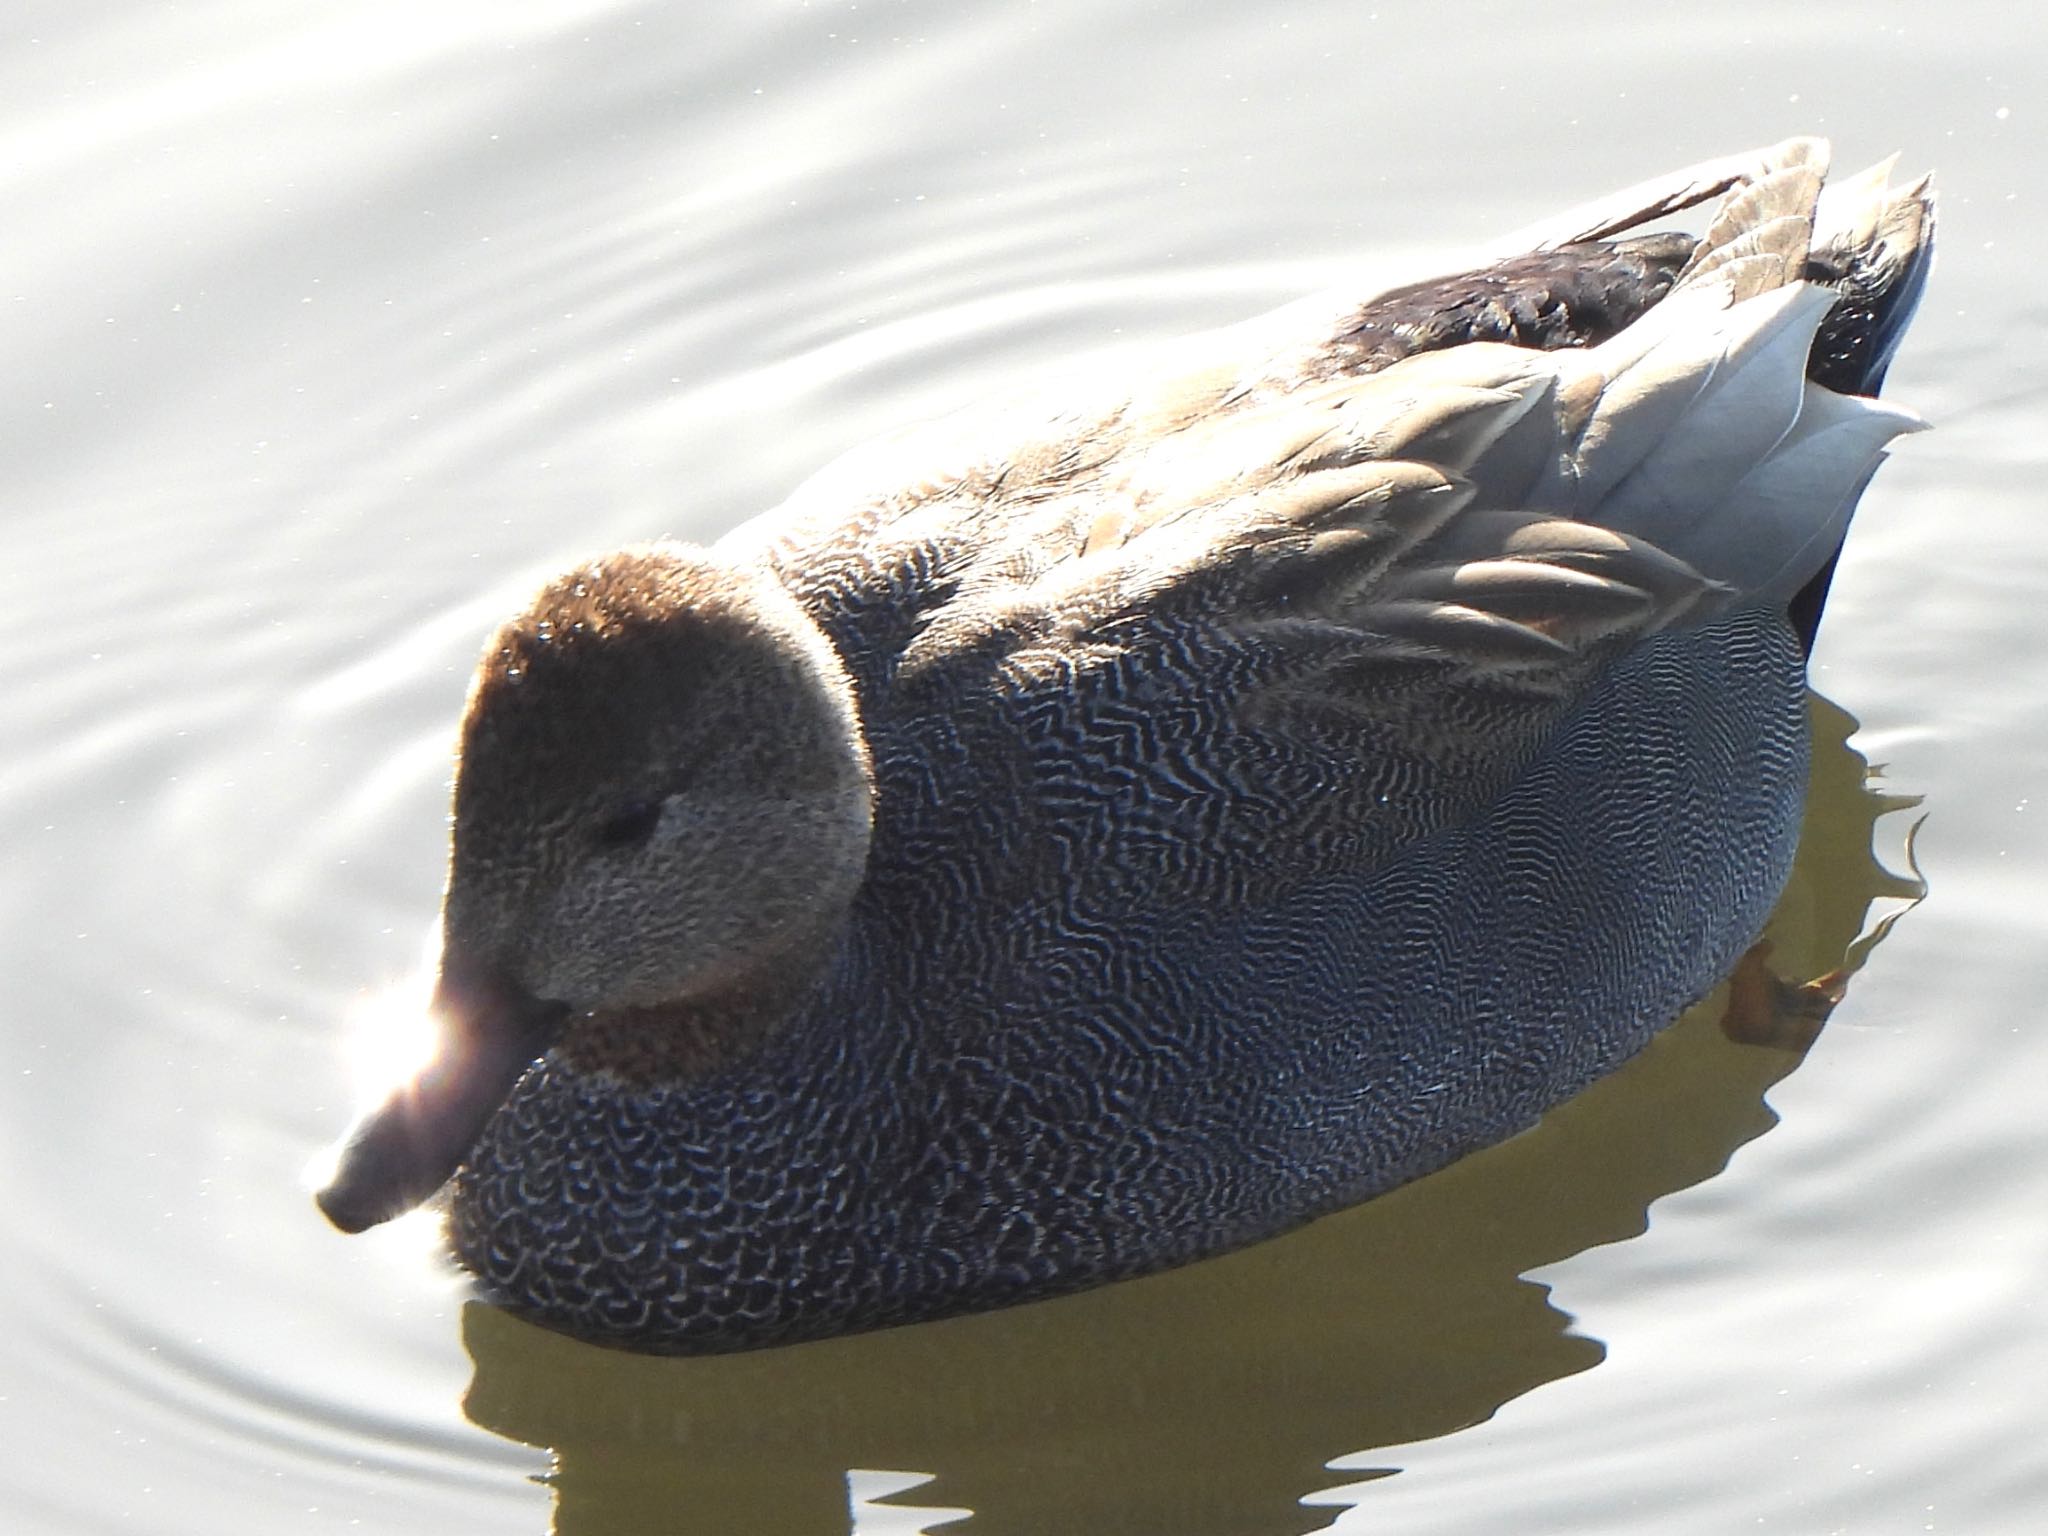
column 401, row 1152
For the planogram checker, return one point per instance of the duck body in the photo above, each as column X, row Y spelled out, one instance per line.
column 1149, row 1066
column 1235, row 800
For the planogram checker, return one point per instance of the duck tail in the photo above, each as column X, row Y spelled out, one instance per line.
column 1873, row 247
column 1736, row 423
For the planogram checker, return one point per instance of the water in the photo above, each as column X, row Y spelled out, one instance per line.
column 328, row 331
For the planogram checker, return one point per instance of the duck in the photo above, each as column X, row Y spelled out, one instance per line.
column 1109, row 828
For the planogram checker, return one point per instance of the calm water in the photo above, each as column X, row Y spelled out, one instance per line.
column 326, row 332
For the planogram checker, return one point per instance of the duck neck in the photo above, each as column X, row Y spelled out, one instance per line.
column 689, row 1039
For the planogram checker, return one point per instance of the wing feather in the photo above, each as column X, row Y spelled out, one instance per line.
column 1392, row 586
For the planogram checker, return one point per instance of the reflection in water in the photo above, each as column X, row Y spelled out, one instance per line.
column 1211, row 1399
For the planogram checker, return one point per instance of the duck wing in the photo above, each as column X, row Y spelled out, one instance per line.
column 1397, row 546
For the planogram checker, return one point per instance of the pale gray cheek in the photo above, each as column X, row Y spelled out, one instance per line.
column 575, row 943
column 610, row 939
column 483, row 915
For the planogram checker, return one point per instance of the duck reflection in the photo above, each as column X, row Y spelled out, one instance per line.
column 1210, row 1398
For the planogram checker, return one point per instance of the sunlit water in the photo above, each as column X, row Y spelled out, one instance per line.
column 326, row 330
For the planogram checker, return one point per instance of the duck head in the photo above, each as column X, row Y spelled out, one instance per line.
column 662, row 811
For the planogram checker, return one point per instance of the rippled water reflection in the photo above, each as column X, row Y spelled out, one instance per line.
column 327, row 332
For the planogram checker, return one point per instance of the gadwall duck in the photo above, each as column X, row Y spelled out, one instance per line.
column 1141, row 825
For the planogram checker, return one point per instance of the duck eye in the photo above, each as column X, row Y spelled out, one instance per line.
column 630, row 825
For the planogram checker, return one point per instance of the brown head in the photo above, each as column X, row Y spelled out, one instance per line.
column 662, row 812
